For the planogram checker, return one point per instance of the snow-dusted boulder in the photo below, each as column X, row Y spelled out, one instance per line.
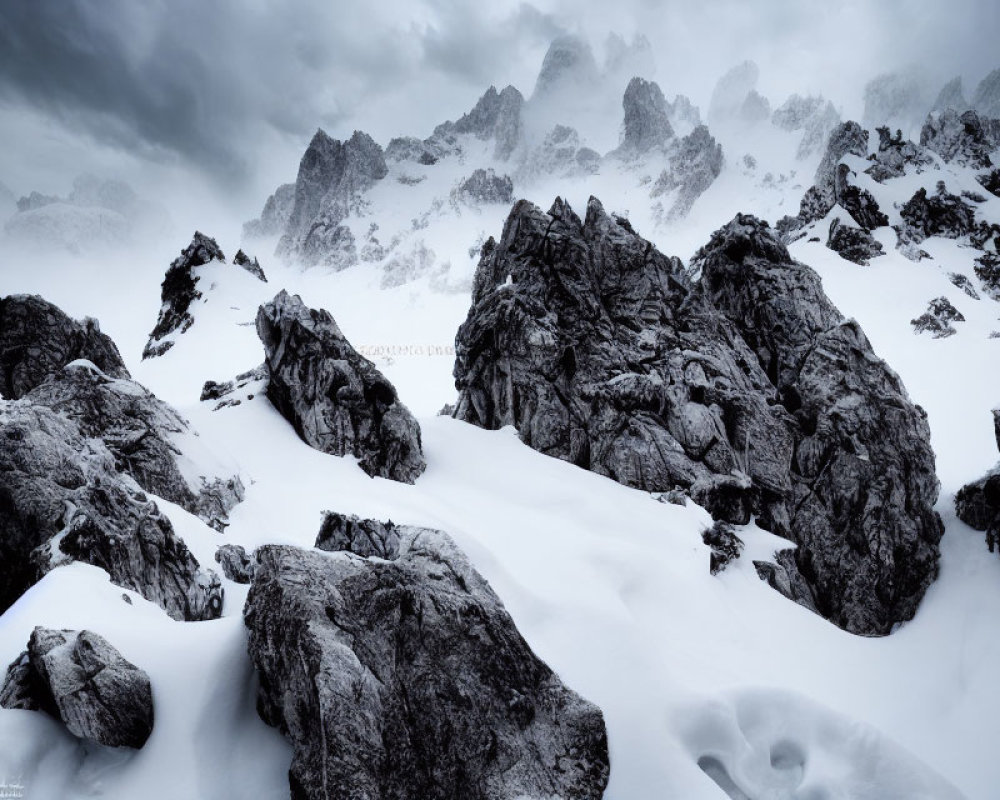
column 484, row 187
column 853, row 243
column 939, row 214
column 736, row 388
column 958, row 137
column 894, row 155
column 363, row 537
column 404, row 677
column 37, row 340
column 79, row 678
column 66, row 501
column 336, row 399
column 937, row 319
column 236, row 563
column 978, row 503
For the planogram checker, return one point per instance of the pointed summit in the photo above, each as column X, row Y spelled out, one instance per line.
column 569, row 62
column 647, row 122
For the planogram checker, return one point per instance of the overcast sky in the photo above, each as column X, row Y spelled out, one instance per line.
column 226, row 93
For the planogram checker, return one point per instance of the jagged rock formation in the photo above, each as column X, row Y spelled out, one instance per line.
column 739, row 388
column 731, row 92
column 484, row 186
column 986, row 99
column 951, row 96
column 725, row 546
column 178, row 291
column 938, row 318
column 250, row 265
column 332, row 176
column 894, row 154
column 236, row 564
column 561, row 154
column 978, row 503
column 363, row 537
column 963, row 283
column 683, row 115
column 274, row 218
column 410, row 148
column 990, row 182
column 695, row 162
column 854, row 244
column 255, row 378
column 335, row 398
column 79, row 678
column 37, row 340
column 142, row 433
column 63, row 500
column 495, row 116
column 940, row 214
column 647, row 120
column 958, row 138
column 987, row 269
column 406, row 678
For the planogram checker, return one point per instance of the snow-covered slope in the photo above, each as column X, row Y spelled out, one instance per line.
column 706, row 682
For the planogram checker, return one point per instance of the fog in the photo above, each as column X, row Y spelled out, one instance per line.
column 208, row 106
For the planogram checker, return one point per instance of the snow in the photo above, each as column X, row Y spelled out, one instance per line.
column 696, row 674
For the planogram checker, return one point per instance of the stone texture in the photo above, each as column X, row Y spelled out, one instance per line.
column 62, row 500
column 496, row 116
column 725, row 546
column 335, row 398
column 977, row 504
column 747, row 388
column 178, row 291
column 963, row 283
column 938, row 318
column 484, row 186
column 854, row 244
column 37, row 340
column 251, row 265
column 939, row 214
column 647, row 122
column 695, row 162
column 990, row 182
column 236, row 564
column 959, row 138
column 363, row 537
column 274, row 218
column 407, row 678
column 79, row 678
column 894, row 155
column 143, row 434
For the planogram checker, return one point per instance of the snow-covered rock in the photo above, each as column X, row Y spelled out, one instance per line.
column 958, row 137
column 937, row 319
column 647, row 119
column 695, row 162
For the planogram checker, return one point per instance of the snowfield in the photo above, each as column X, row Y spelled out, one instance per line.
column 711, row 686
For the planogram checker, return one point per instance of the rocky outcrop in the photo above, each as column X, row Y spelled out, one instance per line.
column 178, row 291
column 977, row 504
column 484, row 187
column 939, row 214
column 406, row 678
column 250, row 382
column 894, row 155
column 363, row 537
column 496, row 116
column 937, row 319
column 251, row 265
column 854, row 244
column 724, row 546
column 63, row 500
column 561, row 153
column 987, row 269
column 37, row 340
column 236, row 564
column 747, row 388
column 695, row 162
column 332, row 177
column 79, row 678
column 274, row 218
column 143, row 434
column 647, row 122
column 958, row 138
column 963, row 283
column 990, row 182
column 986, row 99
column 335, row 398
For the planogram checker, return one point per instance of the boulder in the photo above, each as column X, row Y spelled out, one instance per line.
column 406, row 678
column 937, row 319
column 745, row 387
column 62, row 500
column 854, row 244
column 335, row 398
column 939, row 214
column 236, row 564
column 79, row 678
column 363, row 537
column 990, row 182
column 37, row 340
column 724, row 544
column 977, row 504
column 484, row 186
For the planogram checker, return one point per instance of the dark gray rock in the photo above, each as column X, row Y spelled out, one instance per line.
column 37, row 340
column 986, row 99
column 977, row 504
column 938, row 318
column 406, row 679
column 484, row 186
column 854, row 244
column 940, row 214
column 247, row 383
column 647, row 122
column 274, row 218
column 695, row 162
column 951, row 96
column 963, row 283
column 178, row 291
column 236, row 564
column 724, row 544
column 894, row 155
column 495, row 116
column 987, row 269
column 142, row 433
column 335, row 398
column 62, row 500
column 990, row 182
column 747, row 388
column 79, row 678
column 958, row 138
column 332, row 176
column 251, row 265
column 363, row 537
